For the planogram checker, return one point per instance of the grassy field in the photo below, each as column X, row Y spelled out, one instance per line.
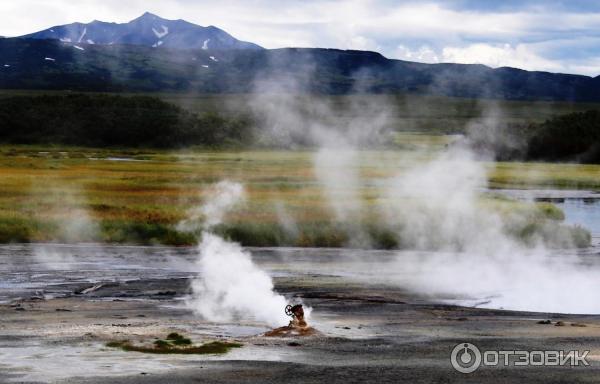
column 124, row 196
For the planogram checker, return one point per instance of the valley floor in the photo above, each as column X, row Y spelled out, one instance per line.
column 139, row 197
column 372, row 332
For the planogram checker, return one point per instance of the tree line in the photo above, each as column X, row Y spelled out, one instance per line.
column 114, row 121
column 573, row 137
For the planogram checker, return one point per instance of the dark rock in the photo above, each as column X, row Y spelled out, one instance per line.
column 578, row 325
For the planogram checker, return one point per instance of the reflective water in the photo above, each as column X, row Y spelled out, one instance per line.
column 584, row 212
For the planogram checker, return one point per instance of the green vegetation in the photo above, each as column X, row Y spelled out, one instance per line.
column 177, row 339
column 73, row 182
column 176, row 344
column 81, row 194
column 114, row 121
column 406, row 113
column 512, row 130
column 573, row 137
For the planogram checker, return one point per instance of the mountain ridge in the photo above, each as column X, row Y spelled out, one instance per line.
column 147, row 30
column 190, row 62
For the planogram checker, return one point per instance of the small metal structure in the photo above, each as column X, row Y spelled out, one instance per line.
column 288, row 310
column 296, row 327
column 296, row 312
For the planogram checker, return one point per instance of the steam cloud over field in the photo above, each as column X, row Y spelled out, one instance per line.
column 477, row 260
column 434, row 206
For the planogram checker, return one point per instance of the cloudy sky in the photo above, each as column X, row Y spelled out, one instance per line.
column 550, row 35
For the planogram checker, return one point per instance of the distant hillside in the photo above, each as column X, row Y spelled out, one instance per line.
column 51, row 64
column 147, row 30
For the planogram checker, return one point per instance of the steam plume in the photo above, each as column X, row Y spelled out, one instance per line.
column 289, row 118
column 460, row 248
column 477, row 260
column 231, row 286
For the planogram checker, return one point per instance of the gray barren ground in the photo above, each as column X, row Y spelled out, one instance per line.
column 368, row 333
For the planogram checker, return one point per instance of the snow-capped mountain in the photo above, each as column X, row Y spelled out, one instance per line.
column 147, row 30
column 129, row 57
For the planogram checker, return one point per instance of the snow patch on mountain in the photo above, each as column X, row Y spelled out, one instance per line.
column 205, row 44
column 82, row 35
column 161, row 34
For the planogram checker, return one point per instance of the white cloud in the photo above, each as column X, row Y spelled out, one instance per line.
column 504, row 55
column 423, row 54
column 362, row 43
column 394, row 28
column 524, row 56
column 313, row 21
column 432, row 20
column 590, row 67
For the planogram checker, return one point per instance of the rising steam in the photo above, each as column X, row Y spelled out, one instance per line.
column 231, row 286
column 288, row 118
column 221, row 198
column 477, row 261
column 68, row 206
column 460, row 249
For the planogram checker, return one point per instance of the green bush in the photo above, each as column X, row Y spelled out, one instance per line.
column 15, row 230
column 119, row 231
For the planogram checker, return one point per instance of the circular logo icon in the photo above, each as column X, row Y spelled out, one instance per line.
column 466, row 358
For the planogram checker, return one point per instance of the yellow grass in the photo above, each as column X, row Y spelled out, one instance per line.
column 42, row 189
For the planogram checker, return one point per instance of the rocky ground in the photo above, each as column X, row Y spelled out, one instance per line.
column 366, row 334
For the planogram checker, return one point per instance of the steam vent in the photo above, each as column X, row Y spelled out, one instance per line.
column 297, row 326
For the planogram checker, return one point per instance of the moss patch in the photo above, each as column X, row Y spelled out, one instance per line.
column 177, row 339
column 176, row 344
